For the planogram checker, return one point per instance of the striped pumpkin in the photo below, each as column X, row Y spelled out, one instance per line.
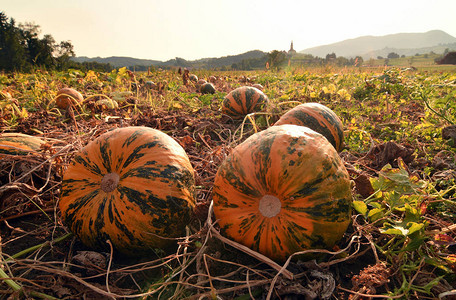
column 19, row 143
column 134, row 186
column 319, row 118
column 244, row 100
column 207, row 88
column 283, row 190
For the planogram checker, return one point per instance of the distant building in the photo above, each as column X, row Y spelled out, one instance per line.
column 292, row 51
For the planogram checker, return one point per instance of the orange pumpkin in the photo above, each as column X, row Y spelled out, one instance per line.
column 283, row 190
column 66, row 97
column 244, row 100
column 134, row 186
column 317, row 117
column 19, row 143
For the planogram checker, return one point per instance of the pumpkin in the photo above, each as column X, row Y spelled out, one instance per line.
column 150, row 85
column 283, row 190
column 106, row 104
column 258, row 86
column 4, row 95
column 243, row 100
column 193, row 78
column 19, row 143
column 207, row 88
column 133, row 186
column 199, row 84
column 66, row 97
column 318, row 117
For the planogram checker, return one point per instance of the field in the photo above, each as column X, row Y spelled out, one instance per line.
column 399, row 151
column 423, row 62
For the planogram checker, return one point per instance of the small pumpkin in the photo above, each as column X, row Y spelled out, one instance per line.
column 283, row 190
column 4, row 95
column 150, row 85
column 318, row 117
column 19, row 143
column 243, row 100
column 134, row 186
column 66, row 97
column 199, row 84
column 258, row 86
column 106, row 103
column 207, row 88
column 193, row 78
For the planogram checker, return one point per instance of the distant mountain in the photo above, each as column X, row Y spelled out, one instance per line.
column 231, row 59
column 228, row 61
column 401, row 43
column 440, row 49
column 118, row 61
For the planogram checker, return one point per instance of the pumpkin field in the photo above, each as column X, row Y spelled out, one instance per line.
column 364, row 201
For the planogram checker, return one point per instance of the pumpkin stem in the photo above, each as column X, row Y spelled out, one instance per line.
column 109, row 182
column 270, row 206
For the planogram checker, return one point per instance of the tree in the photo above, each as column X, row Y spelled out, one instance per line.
column 357, row 61
column 276, row 59
column 393, row 55
column 342, row 61
column 63, row 52
column 21, row 47
column 331, row 57
column 12, row 53
column 39, row 51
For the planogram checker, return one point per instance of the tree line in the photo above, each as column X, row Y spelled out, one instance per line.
column 22, row 49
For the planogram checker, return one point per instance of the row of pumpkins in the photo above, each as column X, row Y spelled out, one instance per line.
column 282, row 190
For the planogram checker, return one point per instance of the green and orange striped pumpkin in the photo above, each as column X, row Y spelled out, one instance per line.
column 133, row 186
column 19, row 143
column 318, row 117
column 283, row 190
column 243, row 100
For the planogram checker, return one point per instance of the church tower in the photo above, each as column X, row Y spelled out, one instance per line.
column 291, row 51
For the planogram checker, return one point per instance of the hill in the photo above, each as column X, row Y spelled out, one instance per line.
column 401, row 43
column 440, row 49
column 118, row 61
column 225, row 61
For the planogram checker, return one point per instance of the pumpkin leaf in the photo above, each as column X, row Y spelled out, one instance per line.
column 414, row 227
column 437, row 263
column 375, row 214
column 415, row 243
column 395, row 230
column 397, row 180
column 360, row 207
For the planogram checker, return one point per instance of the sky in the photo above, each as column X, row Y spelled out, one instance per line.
column 193, row 29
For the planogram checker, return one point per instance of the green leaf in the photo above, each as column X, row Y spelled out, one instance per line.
column 397, row 180
column 395, row 230
column 375, row 204
column 437, row 263
column 375, row 214
column 414, row 227
column 415, row 243
column 360, row 207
